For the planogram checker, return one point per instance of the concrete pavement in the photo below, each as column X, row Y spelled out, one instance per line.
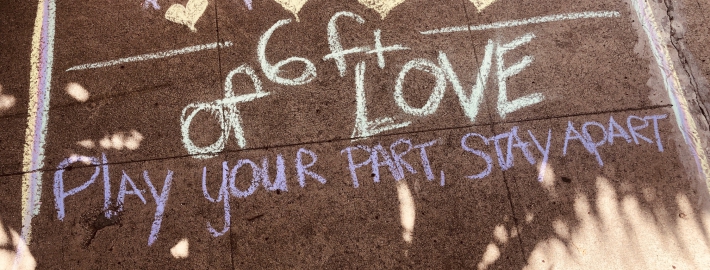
column 284, row 134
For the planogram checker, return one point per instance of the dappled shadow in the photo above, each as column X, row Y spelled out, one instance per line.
column 612, row 231
column 14, row 254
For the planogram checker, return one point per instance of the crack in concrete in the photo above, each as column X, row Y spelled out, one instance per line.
column 676, row 38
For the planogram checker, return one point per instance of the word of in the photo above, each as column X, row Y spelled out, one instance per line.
column 226, row 111
column 153, row 3
column 684, row 118
column 188, row 14
column 41, row 61
column 151, row 56
column 260, row 176
column 533, row 20
column 393, row 159
column 161, row 199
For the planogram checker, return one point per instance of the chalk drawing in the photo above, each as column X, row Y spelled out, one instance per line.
column 248, row 4
column 153, row 3
column 483, row 155
column 41, row 61
column 152, row 56
column 336, row 48
column 394, row 161
column 337, row 53
column 256, row 176
column 592, row 146
column 272, row 71
column 437, row 93
column 60, row 194
column 293, row 6
column 188, row 14
column 302, row 169
column 506, row 106
column 533, row 20
column 223, row 197
column 482, row 4
column 226, row 112
column 160, row 201
column 363, row 127
column 684, row 118
column 545, row 153
column 6, row 101
column 379, row 50
column 471, row 102
column 122, row 191
column 383, row 7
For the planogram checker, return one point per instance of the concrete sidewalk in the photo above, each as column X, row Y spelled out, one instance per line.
column 485, row 134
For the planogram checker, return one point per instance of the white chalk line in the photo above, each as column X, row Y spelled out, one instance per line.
column 151, row 56
column 533, row 20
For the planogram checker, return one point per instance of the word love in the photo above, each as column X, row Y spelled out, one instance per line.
column 228, row 115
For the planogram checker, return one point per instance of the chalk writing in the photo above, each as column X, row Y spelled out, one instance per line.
column 226, row 112
column 500, row 152
column 442, row 71
column 61, row 194
column 188, row 14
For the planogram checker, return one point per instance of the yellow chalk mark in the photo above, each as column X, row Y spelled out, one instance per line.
column 188, row 14
column 482, row 4
column 383, row 7
column 293, row 6
column 29, row 208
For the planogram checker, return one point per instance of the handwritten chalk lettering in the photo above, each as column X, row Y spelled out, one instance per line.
column 486, row 157
column 223, row 197
column 437, row 94
column 394, row 160
column 259, row 174
column 60, row 194
column 614, row 130
column 226, row 112
column 161, row 199
column 337, row 53
column 444, row 73
column 364, row 127
column 544, row 151
column 303, row 170
column 506, row 106
column 272, row 71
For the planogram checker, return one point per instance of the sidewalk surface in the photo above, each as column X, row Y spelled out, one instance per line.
column 369, row 134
